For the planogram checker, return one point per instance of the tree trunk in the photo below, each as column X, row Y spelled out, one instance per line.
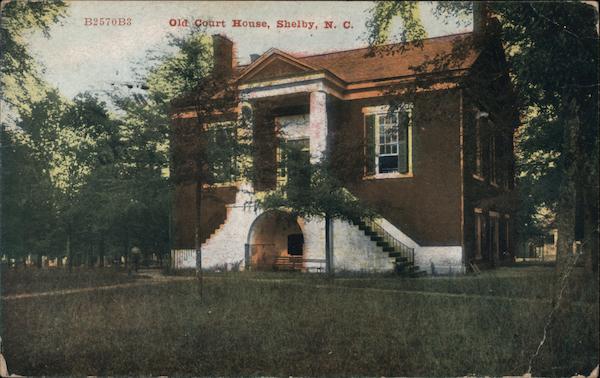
column 126, row 251
column 590, row 240
column 170, row 244
column 1, row 186
column 329, row 244
column 90, row 255
column 197, row 237
column 589, row 194
column 564, row 245
column 101, row 252
column 39, row 260
column 68, row 250
column 565, row 215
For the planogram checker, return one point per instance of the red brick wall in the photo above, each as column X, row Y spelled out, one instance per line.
column 427, row 206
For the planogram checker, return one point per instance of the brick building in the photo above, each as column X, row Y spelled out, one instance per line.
column 422, row 133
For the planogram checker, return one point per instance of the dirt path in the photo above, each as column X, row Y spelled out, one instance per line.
column 156, row 278
column 146, row 278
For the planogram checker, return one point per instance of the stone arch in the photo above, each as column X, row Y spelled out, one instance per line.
column 274, row 234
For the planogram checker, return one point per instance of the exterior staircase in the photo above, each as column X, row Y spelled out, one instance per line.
column 216, row 224
column 404, row 256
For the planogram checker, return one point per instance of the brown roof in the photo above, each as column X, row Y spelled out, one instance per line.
column 396, row 60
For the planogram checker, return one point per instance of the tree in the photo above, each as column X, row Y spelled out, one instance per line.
column 28, row 217
column 142, row 169
column 29, row 194
column 315, row 190
column 88, row 178
column 72, row 154
column 552, row 55
column 19, row 75
column 187, row 79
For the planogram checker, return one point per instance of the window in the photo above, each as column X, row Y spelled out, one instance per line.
column 507, row 162
column 494, row 236
column 506, row 251
column 293, row 159
column 479, row 234
column 388, row 142
column 221, row 154
column 481, row 119
column 295, row 244
column 493, row 161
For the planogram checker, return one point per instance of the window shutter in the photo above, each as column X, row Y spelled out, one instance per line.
column 403, row 143
column 370, row 144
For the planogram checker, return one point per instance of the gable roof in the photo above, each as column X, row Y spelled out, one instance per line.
column 270, row 55
column 395, row 60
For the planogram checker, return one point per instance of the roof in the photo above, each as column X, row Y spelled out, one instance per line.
column 394, row 60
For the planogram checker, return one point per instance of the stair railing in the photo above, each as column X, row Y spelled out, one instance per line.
column 404, row 250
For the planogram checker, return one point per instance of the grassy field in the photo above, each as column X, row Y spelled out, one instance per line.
column 297, row 324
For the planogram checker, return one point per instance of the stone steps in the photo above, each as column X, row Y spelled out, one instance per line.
column 402, row 266
column 218, row 229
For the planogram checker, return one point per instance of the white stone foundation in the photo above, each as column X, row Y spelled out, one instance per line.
column 433, row 260
column 353, row 250
column 440, row 260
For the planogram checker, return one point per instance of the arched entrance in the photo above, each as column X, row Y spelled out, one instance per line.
column 275, row 242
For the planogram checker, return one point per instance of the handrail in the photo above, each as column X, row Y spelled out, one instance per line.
column 404, row 250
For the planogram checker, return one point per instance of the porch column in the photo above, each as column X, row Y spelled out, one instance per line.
column 318, row 125
column 318, row 151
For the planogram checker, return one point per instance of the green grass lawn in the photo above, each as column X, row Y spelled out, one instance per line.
column 298, row 324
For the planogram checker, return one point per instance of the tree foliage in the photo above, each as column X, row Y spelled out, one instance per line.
column 19, row 74
column 25, row 182
column 315, row 191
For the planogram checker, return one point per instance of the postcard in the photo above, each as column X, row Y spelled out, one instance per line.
column 231, row 188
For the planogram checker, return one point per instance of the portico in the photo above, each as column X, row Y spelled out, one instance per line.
column 290, row 100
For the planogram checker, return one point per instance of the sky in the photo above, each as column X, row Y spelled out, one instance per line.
column 79, row 57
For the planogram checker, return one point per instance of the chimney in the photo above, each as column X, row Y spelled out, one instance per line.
column 480, row 17
column 485, row 24
column 223, row 59
column 253, row 57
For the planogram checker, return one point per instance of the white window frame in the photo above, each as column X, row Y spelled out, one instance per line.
column 385, row 111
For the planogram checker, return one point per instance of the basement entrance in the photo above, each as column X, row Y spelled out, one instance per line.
column 275, row 242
